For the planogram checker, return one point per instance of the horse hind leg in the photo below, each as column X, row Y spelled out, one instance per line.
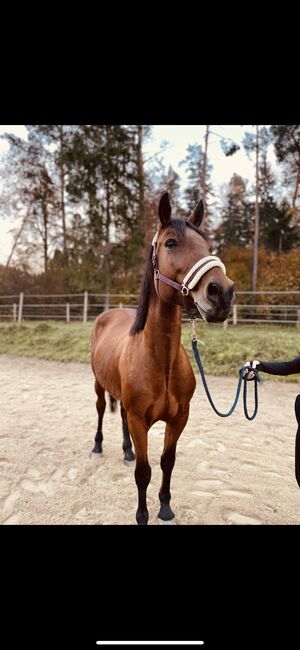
column 127, row 444
column 100, row 405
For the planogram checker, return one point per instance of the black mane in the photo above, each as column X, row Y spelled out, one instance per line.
column 179, row 226
column 142, row 309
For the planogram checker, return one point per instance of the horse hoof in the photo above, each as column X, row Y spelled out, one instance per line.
column 95, row 456
column 165, row 514
column 129, row 463
column 129, row 455
column 169, row 522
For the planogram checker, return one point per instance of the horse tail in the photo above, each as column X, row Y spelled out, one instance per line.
column 113, row 403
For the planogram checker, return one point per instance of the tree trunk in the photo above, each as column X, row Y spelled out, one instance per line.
column 141, row 180
column 203, row 180
column 45, row 236
column 18, row 235
column 256, row 224
column 297, row 186
column 62, row 195
column 107, row 246
column 140, row 174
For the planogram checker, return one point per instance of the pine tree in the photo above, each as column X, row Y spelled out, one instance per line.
column 287, row 147
column 236, row 218
column 278, row 232
column 171, row 183
column 103, row 177
column 194, row 166
column 58, row 137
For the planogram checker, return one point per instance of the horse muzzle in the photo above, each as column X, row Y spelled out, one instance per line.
column 215, row 303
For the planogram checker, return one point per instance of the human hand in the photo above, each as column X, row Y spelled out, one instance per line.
column 248, row 373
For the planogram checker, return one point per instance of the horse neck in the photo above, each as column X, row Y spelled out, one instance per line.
column 162, row 330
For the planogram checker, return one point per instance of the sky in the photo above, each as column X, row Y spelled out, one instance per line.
column 175, row 140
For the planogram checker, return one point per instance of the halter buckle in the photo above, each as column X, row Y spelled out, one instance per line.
column 184, row 290
column 156, row 274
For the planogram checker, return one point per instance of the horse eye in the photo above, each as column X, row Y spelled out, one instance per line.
column 170, row 243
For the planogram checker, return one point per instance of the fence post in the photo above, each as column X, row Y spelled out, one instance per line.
column 20, row 312
column 298, row 318
column 225, row 324
column 67, row 312
column 85, row 307
column 106, row 302
column 15, row 312
column 120, row 305
column 234, row 314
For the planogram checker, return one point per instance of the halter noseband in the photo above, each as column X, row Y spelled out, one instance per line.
column 193, row 275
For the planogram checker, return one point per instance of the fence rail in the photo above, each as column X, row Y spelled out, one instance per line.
column 282, row 307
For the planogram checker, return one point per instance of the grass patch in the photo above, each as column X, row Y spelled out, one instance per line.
column 224, row 352
column 47, row 340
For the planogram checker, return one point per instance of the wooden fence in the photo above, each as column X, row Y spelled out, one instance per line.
column 280, row 307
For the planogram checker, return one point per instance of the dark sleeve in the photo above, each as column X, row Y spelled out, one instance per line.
column 280, row 367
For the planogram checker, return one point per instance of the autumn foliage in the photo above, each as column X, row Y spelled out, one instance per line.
column 276, row 271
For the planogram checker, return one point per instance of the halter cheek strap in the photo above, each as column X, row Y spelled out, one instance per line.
column 193, row 275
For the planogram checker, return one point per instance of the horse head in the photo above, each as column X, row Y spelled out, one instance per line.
column 185, row 271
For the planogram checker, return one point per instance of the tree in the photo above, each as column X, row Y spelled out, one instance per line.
column 103, row 178
column 140, row 170
column 287, row 147
column 278, row 232
column 158, row 179
column 258, row 143
column 236, row 218
column 28, row 171
column 57, row 135
column 204, row 169
column 154, row 174
column 194, row 166
column 250, row 143
column 171, row 183
column 275, row 270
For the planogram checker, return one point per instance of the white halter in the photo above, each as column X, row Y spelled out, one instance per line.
column 200, row 268
column 193, row 275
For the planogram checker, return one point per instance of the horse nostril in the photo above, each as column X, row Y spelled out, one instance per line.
column 214, row 292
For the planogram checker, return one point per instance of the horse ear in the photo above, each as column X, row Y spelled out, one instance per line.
column 197, row 214
column 164, row 209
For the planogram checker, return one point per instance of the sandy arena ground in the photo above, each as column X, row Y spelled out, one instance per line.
column 228, row 471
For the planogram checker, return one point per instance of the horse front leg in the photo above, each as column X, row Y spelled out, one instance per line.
column 139, row 434
column 172, row 432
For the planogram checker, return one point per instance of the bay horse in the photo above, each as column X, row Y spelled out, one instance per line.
column 137, row 356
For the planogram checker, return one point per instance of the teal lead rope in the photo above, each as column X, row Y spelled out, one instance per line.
column 242, row 378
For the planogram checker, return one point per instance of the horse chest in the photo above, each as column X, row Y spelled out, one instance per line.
column 157, row 388
column 167, row 406
column 159, row 401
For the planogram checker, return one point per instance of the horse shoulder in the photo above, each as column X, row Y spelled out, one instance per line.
column 109, row 339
